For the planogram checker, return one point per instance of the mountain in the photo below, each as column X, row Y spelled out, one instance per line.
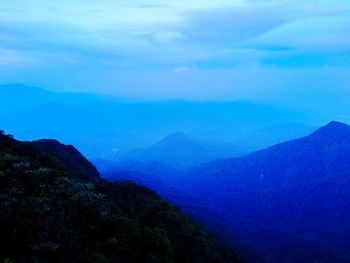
column 71, row 158
column 263, row 138
column 177, row 151
column 101, row 126
column 51, row 211
column 290, row 198
column 181, row 152
column 170, row 157
column 325, row 153
column 18, row 97
column 156, row 170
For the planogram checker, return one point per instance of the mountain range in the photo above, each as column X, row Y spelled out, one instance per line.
column 288, row 202
column 14, row 97
column 180, row 152
column 101, row 126
column 54, row 207
column 281, row 203
column 298, row 190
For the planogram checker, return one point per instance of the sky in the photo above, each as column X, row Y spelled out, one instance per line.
column 287, row 52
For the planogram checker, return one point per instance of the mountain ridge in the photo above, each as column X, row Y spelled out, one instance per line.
column 296, row 149
column 95, row 126
column 51, row 211
column 176, row 150
column 299, row 189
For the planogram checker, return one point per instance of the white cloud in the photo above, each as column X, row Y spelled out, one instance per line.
column 199, row 31
column 181, row 69
column 168, row 36
column 15, row 59
column 314, row 33
column 104, row 38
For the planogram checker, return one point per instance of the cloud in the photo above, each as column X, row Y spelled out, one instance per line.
column 105, row 40
column 168, row 36
column 9, row 58
column 149, row 34
column 181, row 69
column 313, row 33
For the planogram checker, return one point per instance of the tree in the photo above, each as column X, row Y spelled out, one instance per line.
column 3, row 134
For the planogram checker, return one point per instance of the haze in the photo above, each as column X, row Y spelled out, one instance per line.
column 294, row 53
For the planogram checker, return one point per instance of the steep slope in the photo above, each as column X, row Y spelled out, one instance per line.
column 291, row 198
column 325, row 153
column 71, row 158
column 50, row 213
column 262, row 138
column 151, row 171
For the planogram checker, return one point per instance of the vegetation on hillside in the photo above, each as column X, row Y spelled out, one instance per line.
column 51, row 213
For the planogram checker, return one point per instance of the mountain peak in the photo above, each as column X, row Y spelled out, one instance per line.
column 334, row 129
column 176, row 141
column 336, row 124
column 176, row 136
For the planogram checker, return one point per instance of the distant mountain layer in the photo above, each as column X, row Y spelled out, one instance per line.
column 180, row 151
column 292, row 198
column 263, row 138
column 55, row 208
column 17, row 97
column 100, row 126
column 286, row 203
column 321, row 155
column 177, row 151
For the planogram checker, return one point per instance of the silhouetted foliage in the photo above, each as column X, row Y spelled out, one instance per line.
column 52, row 211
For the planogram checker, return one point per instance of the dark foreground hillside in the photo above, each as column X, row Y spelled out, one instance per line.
column 54, row 211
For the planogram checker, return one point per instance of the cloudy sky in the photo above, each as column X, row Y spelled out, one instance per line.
column 289, row 51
